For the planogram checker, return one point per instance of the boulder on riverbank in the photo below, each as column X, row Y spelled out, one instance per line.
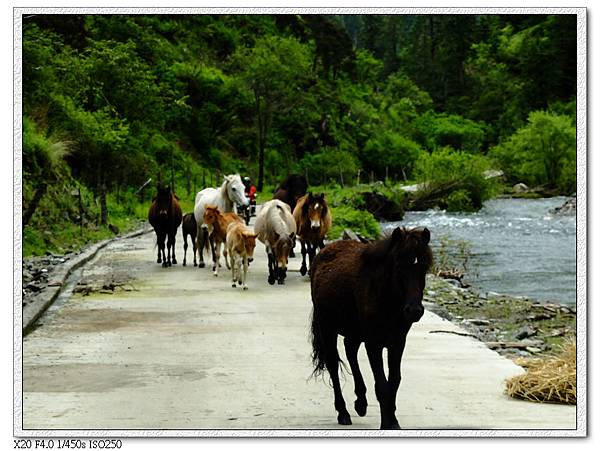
column 567, row 209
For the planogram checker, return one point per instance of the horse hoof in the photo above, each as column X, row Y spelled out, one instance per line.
column 159, row 261
column 394, row 426
column 174, row 261
column 201, row 265
column 360, row 407
column 164, row 265
column 169, row 263
column 245, row 288
column 303, row 271
column 215, row 274
column 195, row 264
column 233, row 285
column 239, row 282
column 271, row 280
column 183, row 263
column 344, row 419
column 280, row 282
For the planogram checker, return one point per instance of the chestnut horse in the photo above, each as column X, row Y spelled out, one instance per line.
column 369, row 293
column 276, row 229
column 165, row 216
column 240, row 243
column 313, row 221
column 217, row 222
column 188, row 227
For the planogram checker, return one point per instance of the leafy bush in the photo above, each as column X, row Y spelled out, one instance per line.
column 541, row 153
column 359, row 221
column 450, row 130
column 390, row 150
column 446, row 171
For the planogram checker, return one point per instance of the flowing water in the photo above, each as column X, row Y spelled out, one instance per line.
column 517, row 246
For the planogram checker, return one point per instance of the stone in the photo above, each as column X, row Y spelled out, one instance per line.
column 525, row 332
column 520, row 188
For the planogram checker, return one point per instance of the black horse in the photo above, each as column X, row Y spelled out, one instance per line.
column 369, row 293
column 165, row 216
column 291, row 189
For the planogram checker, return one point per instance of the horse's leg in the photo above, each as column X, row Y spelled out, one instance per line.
column 312, row 251
column 169, row 246
column 303, row 250
column 245, row 263
column 360, row 405
column 217, row 254
column 173, row 241
column 225, row 256
column 162, row 249
column 232, row 259
column 394, row 358
column 185, row 246
column 321, row 244
column 158, row 258
column 332, row 359
column 272, row 268
column 201, row 239
column 374, row 351
column 194, row 248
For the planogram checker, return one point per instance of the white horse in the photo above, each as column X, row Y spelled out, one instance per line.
column 229, row 194
column 276, row 229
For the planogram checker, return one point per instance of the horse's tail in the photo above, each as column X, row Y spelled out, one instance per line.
column 318, row 345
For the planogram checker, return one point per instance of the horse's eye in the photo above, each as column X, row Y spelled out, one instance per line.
column 233, row 189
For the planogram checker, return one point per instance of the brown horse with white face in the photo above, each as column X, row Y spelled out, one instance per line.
column 368, row 293
column 313, row 221
column 165, row 217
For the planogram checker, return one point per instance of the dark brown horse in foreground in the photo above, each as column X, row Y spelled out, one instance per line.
column 313, row 221
column 188, row 227
column 369, row 293
column 165, row 216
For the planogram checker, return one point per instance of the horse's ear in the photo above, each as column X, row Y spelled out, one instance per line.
column 425, row 236
column 398, row 235
column 292, row 235
column 322, row 196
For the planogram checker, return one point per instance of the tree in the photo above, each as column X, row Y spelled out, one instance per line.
column 275, row 71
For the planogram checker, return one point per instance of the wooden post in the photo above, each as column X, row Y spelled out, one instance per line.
column 80, row 212
column 358, row 177
column 372, row 177
column 341, row 176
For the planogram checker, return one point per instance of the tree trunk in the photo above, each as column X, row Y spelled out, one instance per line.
column 103, row 208
column 35, row 202
column 261, row 144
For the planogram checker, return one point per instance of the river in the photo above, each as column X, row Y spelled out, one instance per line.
column 517, row 247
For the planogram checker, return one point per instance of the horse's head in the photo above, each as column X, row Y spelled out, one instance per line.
column 211, row 215
column 315, row 209
column 281, row 248
column 163, row 200
column 236, row 190
column 249, row 244
column 411, row 258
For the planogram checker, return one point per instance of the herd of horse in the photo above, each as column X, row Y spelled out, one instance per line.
column 368, row 293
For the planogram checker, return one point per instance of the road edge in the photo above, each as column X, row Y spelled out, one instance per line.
column 33, row 311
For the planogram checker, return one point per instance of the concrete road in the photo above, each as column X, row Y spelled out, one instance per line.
column 182, row 349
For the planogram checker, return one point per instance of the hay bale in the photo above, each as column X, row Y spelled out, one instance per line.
column 548, row 380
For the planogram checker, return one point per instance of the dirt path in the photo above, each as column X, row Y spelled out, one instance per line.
column 137, row 346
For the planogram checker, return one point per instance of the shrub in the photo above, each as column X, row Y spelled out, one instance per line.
column 359, row 221
column 541, row 153
column 448, row 171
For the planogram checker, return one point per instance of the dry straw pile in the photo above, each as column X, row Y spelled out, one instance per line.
column 548, row 380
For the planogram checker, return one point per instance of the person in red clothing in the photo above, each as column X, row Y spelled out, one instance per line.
column 251, row 194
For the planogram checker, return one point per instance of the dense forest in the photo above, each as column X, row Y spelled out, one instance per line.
column 110, row 101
